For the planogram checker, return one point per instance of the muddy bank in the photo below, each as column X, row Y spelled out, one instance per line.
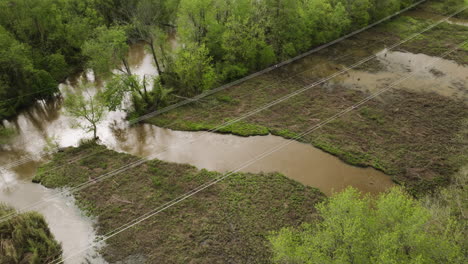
column 227, row 222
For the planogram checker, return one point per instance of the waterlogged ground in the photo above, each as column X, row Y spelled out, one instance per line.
column 416, row 133
column 413, row 132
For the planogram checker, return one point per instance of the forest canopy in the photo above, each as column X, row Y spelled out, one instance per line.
column 43, row 41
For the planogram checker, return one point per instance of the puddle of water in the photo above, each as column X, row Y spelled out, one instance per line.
column 446, row 77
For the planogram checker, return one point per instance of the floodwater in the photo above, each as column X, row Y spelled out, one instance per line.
column 445, row 77
column 224, row 153
column 45, row 124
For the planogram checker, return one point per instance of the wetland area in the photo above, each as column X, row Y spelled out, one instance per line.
column 378, row 145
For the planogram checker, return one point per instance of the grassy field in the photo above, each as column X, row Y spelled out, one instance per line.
column 414, row 137
column 226, row 223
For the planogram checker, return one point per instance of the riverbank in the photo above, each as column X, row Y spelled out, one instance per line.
column 226, row 222
column 412, row 135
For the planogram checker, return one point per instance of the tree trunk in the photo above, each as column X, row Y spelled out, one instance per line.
column 154, row 57
column 144, row 89
column 127, row 68
column 95, row 131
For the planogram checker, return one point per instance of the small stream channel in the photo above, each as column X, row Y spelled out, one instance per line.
column 45, row 122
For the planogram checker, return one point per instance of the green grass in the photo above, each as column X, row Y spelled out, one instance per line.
column 226, row 222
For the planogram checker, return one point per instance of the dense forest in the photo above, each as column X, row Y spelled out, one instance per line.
column 42, row 42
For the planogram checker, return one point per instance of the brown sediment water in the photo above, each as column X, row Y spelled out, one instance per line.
column 446, row 77
column 224, row 153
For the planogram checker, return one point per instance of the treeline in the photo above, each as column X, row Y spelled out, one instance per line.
column 42, row 41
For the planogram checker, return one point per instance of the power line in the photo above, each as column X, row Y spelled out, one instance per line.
column 262, row 71
column 28, row 158
column 141, row 161
column 252, row 161
column 210, row 92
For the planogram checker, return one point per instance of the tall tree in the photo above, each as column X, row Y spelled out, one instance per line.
column 107, row 50
column 150, row 20
column 358, row 11
column 145, row 93
column 194, row 70
column 244, row 47
column 326, row 22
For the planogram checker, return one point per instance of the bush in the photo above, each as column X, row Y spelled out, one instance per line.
column 26, row 238
column 393, row 228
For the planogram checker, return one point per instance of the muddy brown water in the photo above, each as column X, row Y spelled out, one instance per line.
column 45, row 122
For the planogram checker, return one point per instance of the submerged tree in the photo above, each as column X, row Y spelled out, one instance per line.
column 146, row 94
column 393, row 228
column 107, row 50
column 149, row 20
column 88, row 109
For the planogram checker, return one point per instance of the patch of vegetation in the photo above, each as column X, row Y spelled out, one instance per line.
column 6, row 134
column 229, row 221
column 26, row 238
column 445, row 6
column 393, row 228
column 243, row 129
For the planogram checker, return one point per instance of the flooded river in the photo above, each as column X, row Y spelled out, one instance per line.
column 45, row 123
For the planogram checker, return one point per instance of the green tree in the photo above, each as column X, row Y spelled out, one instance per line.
column 195, row 19
column 146, row 94
column 358, row 11
column 383, row 8
column 26, row 238
column 107, row 50
column 149, row 19
column 393, row 228
column 326, row 22
column 194, row 70
column 39, row 46
column 287, row 27
column 88, row 109
column 20, row 81
column 245, row 48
